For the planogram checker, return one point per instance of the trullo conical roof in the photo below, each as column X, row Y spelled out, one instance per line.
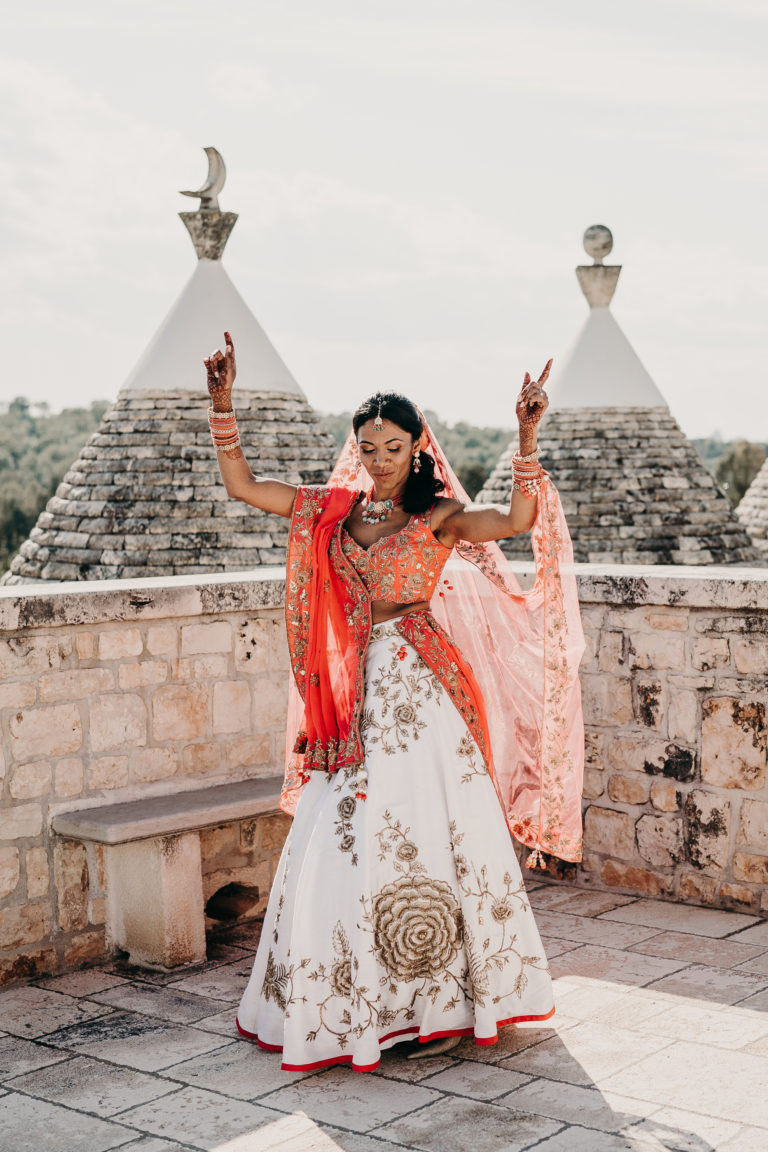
column 634, row 489
column 144, row 497
column 752, row 511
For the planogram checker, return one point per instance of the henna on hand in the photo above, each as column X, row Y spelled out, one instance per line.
column 221, row 370
column 532, row 403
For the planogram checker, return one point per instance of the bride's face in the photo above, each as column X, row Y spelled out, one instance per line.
column 385, row 453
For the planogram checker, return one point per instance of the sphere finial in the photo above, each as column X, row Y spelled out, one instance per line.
column 598, row 242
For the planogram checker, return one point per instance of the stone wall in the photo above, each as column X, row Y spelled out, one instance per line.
column 675, row 682
column 122, row 689
column 117, row 691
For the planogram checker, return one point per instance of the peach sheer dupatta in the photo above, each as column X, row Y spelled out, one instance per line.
column 524, row 648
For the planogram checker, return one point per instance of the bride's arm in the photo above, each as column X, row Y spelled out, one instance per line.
column 452, row 521
column 260, row 491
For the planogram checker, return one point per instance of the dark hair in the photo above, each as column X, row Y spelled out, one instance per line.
column 423, row 486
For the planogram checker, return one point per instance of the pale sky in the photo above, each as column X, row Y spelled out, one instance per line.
column 413, row 180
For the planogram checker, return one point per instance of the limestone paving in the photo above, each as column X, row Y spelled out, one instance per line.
column 660, row 1042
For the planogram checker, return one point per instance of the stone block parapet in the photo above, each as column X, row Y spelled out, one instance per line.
column 119, row 690
column 675, row 689
column 122, row 691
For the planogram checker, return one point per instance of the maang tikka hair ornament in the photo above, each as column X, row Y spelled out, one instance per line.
column 378, row 422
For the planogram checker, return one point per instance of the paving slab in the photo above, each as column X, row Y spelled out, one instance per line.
column 578, row 903
column 688, row 1019
column 586, row 1053
column 153, row 1144
column 747, row 1140
column 238, row 1069
column 576, row 1104
column 18, row 1056
column 702, row 982
column 758, row 1002
column 697, row 1078
column 554, row 947
column 613, row 964
column 91, row 1086
column 31, row 1012
column 393, row 1066
column 682, row 1131
column 226, row 982
column 513, row 1040
column 221, row 1023
column 136, row 1041
column 360, row 1103
column 589, row 930
column 577, row 1139
column 757, row 934
column 201, row 1118
column 699, row 949
column 456, row 1125
column 682, row 918
column 29, row 1125
column 759, row 964
column 83, row 983
column 479, row 1081
column 165, row 1003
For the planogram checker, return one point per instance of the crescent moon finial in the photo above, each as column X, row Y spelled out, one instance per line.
column 213, row 184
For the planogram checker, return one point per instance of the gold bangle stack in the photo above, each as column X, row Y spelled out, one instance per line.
column 224, row 433
column 527, row 474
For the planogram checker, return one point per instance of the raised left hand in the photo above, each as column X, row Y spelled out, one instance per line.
column 533, row 401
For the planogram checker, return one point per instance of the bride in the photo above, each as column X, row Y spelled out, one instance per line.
column 398, row 911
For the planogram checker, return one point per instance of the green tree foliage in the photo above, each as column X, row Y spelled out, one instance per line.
column 36, row 449
column 472, row 450
column 738, row 467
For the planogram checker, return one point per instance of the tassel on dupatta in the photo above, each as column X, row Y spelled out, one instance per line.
column 524, row 648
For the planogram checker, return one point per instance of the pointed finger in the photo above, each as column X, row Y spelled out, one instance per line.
column 545, row 374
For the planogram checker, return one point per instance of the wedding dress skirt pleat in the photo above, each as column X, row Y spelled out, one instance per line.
column 402, row 915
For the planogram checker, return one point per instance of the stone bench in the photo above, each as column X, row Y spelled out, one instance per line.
column 155, row 907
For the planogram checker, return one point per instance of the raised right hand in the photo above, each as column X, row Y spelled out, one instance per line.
column 221, row 375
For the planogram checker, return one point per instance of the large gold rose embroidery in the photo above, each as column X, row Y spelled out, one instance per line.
column 417, row 927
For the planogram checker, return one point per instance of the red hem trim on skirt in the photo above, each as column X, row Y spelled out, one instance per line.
column 479, row 1040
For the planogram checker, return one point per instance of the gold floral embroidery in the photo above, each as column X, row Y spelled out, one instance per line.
column 346, row 809
column 341, row 977
column 402, row 567
column 279, row 981
column 438, row 650
column 468, row 750
column 502, row 906
column 401, row 690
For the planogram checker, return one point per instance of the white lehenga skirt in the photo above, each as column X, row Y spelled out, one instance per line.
column 404, row 915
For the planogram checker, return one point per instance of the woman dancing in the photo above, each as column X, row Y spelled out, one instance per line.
column 398, row 911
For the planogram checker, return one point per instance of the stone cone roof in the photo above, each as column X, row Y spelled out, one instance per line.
column 752, row 511
column 144, row 497
column 634, row 489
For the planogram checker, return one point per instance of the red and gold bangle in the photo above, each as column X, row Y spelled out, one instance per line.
column 526, row 474
column 223, row 426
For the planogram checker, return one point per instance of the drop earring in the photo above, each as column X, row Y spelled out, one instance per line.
column 417, row 460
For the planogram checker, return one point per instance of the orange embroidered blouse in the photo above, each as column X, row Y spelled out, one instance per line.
column 401, row 568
